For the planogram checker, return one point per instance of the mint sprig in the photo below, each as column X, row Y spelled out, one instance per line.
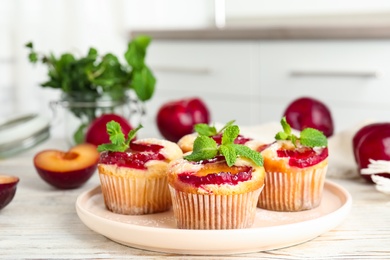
column 118, row 141
column 206, row 148
column 308, row 137
column 207, row 130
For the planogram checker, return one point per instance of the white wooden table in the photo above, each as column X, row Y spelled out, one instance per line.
column 41, row 223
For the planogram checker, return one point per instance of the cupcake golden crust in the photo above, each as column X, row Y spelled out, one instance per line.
column 212, row 195
column 291, row 188
column 217, row 185
column 295, row 170
column 187, row 142
column 275, row 163
column 134, row 181
column 188, row 177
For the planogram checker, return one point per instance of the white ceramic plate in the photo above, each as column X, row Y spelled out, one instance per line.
column 271, row 230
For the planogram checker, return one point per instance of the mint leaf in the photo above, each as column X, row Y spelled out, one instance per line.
column 114, row 131
column 313, row 138
column 248, row 153
column 309, row 136
column 143, row 83
column 205, row 129
column 108, row 147
column 230, row 134
column 286, row 126
column 204, row 148
column 117, row 138
column 230, row 154
column 281, row 136
column 132, row 133
column 227, row 125
column 29, row 45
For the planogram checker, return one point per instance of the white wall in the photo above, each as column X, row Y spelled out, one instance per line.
column 75, row 25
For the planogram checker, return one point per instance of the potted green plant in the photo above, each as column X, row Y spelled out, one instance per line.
column 96, row 84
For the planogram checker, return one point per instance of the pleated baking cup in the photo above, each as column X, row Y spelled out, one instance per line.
column 293, row 191
column 135, row 196
column 208, row 211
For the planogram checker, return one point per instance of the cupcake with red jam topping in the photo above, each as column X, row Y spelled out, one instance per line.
column 186, row 143
column 295, row 170
column 216, row 186
column 133, row 174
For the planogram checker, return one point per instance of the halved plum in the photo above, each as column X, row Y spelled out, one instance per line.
column 67, row 170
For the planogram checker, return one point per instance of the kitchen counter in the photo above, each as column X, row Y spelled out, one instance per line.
column 279, row 32
column 41, row 223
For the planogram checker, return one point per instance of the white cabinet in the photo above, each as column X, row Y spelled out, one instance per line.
column 351, row 77
column 254, row 81
column 220, row 72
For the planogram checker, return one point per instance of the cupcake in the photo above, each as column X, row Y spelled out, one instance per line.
column 133, row 174
column 216, row 186
column 295, row 170
column 186, row 143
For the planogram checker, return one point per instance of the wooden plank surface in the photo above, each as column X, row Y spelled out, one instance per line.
column 41, row 223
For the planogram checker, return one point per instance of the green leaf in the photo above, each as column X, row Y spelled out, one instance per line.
column 107, row 147
column 115, row 133
column 281, row 136
column 143, row 83
column 136, row 51
column 230, row 134
column 33, row 57
column 230, row 154
column 308, row 137
column 226, row 125
column 286, row 126
column 205, row 129
column 117, row 138
column 29, row 45
column 313, row 138
column 248, row 153
column 79, row 135
column 94, row 75
column 132, row 133
column 204, row 148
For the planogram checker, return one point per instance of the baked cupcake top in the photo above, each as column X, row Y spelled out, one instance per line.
column 212, row 168
column 186, row 143
column 135, row 154
column 294, row 153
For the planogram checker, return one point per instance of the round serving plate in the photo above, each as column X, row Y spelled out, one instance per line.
column 271, row 230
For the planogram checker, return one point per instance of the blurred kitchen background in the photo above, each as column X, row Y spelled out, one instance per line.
column 246, row 58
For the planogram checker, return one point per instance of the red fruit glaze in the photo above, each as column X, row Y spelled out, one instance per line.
column 239, row 140
column 135, row 157
column 303, row 157
column 244, row 174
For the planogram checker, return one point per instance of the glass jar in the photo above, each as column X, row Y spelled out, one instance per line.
column 75, row 112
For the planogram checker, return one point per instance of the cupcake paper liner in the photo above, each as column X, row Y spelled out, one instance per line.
column 199, row 211
column 135, row 196
column 292, row 191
